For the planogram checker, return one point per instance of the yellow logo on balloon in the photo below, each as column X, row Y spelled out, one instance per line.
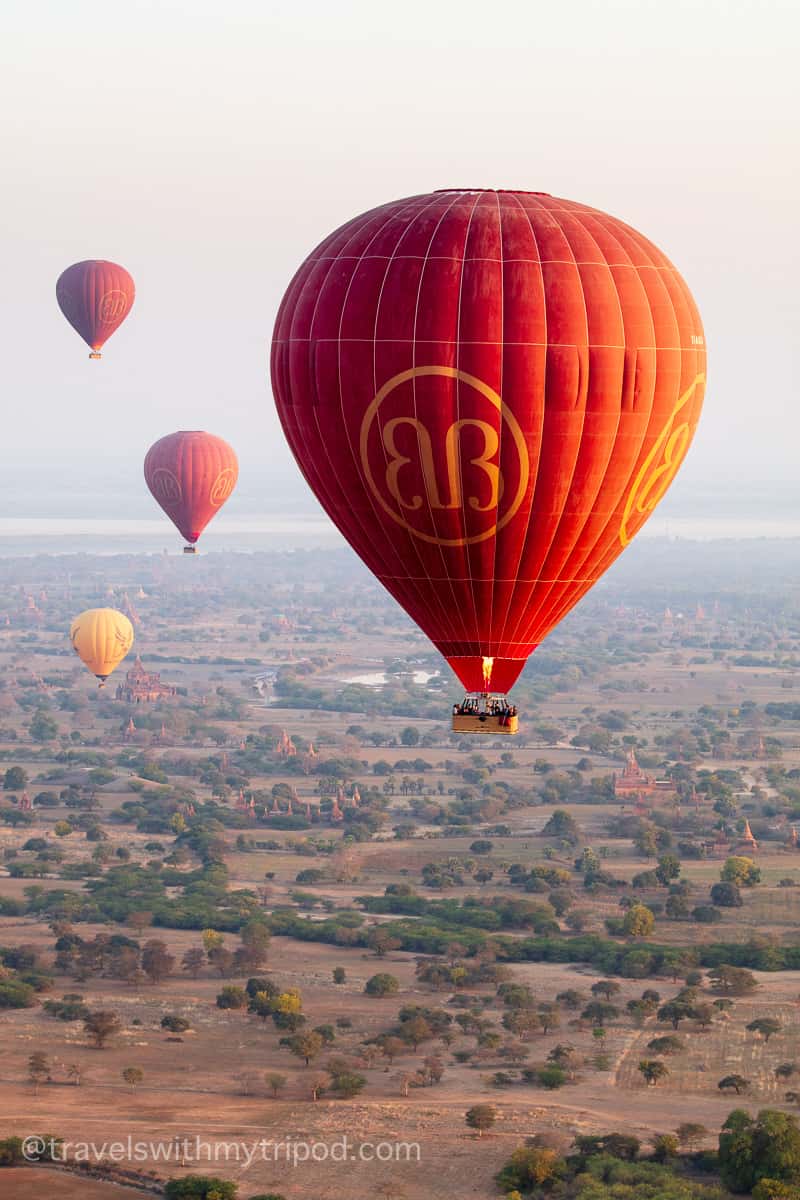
column 222, row 486
column 440, row 463
column 112, row 305
column 661, row 465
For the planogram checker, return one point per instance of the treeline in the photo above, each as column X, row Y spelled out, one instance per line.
column 490, row 913
column 426, row 927
column 609, row 957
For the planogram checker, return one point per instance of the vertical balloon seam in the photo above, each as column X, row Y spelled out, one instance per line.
column 500, row 332
column 536, row 211
column 362, row 543
column 667, row 277
column 546, row 618
column 545, row 551
column 451, row 616
column 365, row 547
column 608, row 550
column 556, row 563
column 465, row 626
column 540, row 441
column 544, row 576
column 323, row 490
column 462, row 629
column 524, row 542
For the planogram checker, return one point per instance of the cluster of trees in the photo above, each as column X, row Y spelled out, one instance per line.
column 758, row 1155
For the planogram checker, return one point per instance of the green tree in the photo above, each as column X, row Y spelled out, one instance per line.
column 101, row 1025
column 639, row 921
column 133, row 1076
column 306, row 1045
column 38, row 1069
column 212, row 940
column 42, row 727
column 732, row 981
column 776, row 1189
column 416, row 1030
column 15, row 780
column 606, row 988
column 481, row 1117
column 767, row 1147
column 669, row 1044
column 665, row 1147
column 726, row 895
column 563, row 826
column 736, row 1083
column 157, row 962
column 193, row 961
column 766, row 1026
column 690, row 1134
column 599, row 1013
column 741, row 871
column 174, row 1023
column 530, row 1167
column 675, row 1011
column 381, row 985
column 381, row 942
column 653, row 1070
column 232, row 996
column 200, row 1187
column 669, row 868
column 551, row 1076
column 347, row 1084
column 392, row 1046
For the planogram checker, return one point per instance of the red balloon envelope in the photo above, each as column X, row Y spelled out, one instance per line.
column 95, row 296
column 489, row 392
column 191, row 474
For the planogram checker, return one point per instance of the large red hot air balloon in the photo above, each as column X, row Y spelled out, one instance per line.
column 489, row 392
column 95, row 296
column 191, row 474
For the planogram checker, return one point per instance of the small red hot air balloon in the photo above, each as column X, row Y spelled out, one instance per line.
column 489, row 392
column 191, row 474
column 95, row 296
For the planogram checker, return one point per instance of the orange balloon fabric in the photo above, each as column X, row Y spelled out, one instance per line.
column 489, row 392
column 191, row 474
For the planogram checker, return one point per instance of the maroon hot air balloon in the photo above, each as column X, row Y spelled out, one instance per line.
column 489, row 392
column 191, row 474
column 95, row 296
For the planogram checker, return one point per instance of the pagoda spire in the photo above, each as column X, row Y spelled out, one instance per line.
column 747, row 838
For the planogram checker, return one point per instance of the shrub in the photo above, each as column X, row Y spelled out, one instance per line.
column 381, row 985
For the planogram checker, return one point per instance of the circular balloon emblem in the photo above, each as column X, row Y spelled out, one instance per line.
column 489, row 392
column 191, row 474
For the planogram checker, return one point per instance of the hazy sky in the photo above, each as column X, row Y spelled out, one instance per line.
column 208, row 146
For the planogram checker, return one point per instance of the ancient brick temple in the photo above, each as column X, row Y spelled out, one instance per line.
column 632, row 781
column 142, row 687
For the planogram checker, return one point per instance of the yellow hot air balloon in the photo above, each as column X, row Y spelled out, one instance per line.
column 101, row 637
